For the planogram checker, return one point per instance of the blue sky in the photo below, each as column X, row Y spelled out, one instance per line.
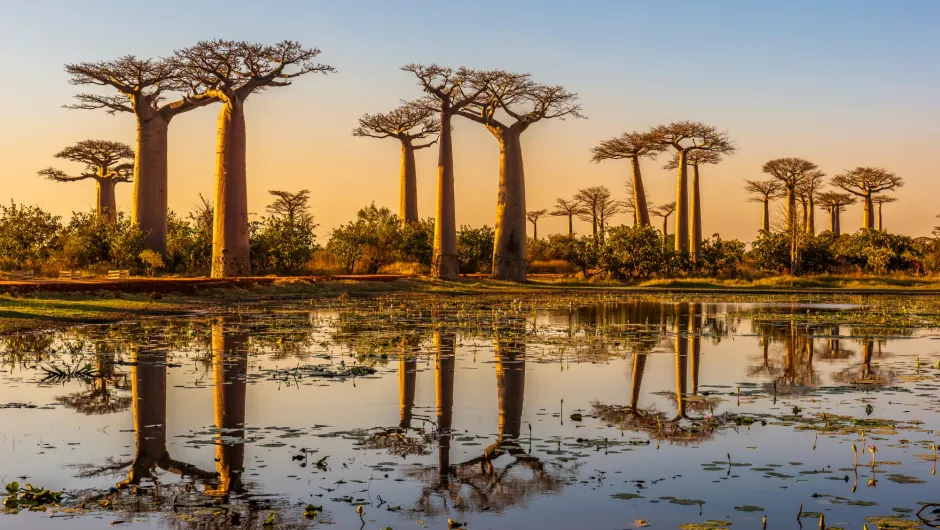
column 840, row 83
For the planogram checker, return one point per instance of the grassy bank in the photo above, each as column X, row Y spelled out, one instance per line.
column 46, row 310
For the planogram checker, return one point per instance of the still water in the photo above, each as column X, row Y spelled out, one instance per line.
column 492, row 413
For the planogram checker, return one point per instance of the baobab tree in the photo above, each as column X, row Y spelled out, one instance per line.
column 569, row 209
column 524, row 102
column 142, row 86
column 409, row 122
column 593, row 200
column 807, row 189
column 764, row 191
column 835, row 203
column 607, row 207
column 230, row 71
column 790, row 172
column 865, row 182
column 694, row 159
column 450, row 91
column 685, row 136
column 533, row 216
column 106, row 162
column 881, row 200
column 632, row 146
column 664, row 211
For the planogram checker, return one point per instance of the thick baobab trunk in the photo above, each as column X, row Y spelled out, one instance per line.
column 408, row 203
column 695, row 230
column 868, row 214
column 880, row 226
column 149, row 199
column 230, row 227
column 833, row 225
column 444, row 262
column 229, row 367
column 509, row 249
column 792, row 231
column 665, row 228
column 682, row 205
column 641, row 212
column 805, row 213
column 107, row 203
column 535, row 231
column 765, row 220
column 594, row 222
column 811, row 216
column 838, row 215
column 570, row 226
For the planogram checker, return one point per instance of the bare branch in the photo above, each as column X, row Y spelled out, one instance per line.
column 410, row 121
column 864, row 181
column 764, row 189
column 627, row 145
column 58, row 175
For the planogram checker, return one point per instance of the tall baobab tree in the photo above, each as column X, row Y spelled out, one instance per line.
column 632, row 146
column 142, row 86
column 835, row 203
column 533, row 216
column 607, row 207
column 592, row 202
column 450, row 91
column 106, row 162
column 524, row 102
column 764, row 191
column 790, row 172
column 569, row 209
column 694, row 159
column 685, row 136
column 664, row 211
column 409, row 122
column 230, row 71
column 881, row 200
column 808, row 189
column 865, row 183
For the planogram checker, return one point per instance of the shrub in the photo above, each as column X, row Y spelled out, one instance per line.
column 475, row 249
column 151, row 260
column 721, row 258
column 28, row 236
column 771, row 251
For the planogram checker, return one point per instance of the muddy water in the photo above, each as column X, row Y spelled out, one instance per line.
column 496, row 415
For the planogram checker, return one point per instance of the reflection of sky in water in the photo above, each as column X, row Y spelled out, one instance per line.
column 580, row 356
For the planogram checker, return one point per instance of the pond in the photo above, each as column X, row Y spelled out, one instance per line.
column 553, row 412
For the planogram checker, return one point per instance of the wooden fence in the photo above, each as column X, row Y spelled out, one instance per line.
column 119, row 275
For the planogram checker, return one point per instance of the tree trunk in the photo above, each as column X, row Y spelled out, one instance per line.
column 792, row 231
column 833, row 226
column 811, row 216
column 765, row 220
column 408, row 203
column 570, row 226
column 510, row 386
column 149, row 198
column 535, row 231
column 509, row 252
column 805, row 215
column 230, row 227
column 682, row 205
column 665, row 228
column 148, row 400
column 639, row 195
column 107, row 203
column 880, row 226
column 868, row 214
column 444, row 262
column 229, row 367
column 594, row 222
column 695, row 230
column 838, row 221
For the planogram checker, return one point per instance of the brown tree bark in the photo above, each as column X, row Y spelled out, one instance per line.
column 880, row 226
column 107, row 203
column 230, row 227
column 408, row 202
column 509, row 250
column 444, row 261
column 682, row 204
column 149, row 197
column 833, row 225
column 868, row 214
column 839, row 221
column 765, row 220
column 570, row 226
column 695, row 229
column 639, row 194
column 811, row 215
column 791, row 230
column 229, row 367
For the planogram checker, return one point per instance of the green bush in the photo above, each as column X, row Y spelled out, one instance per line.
column 771, row 251
column 721, row 258
column 475, row 249
column 28, row 236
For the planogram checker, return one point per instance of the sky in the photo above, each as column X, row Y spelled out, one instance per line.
column 840, row 83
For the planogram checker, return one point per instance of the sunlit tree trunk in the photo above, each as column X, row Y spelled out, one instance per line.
column 880, row 225
column 868, row 214
column 107, row 203
column 510, row 387
column 765, row 220
column 149, row 197
column 570, row 226
column 444, row 263
column 230, row 227
column 641, row 212
column 408, row 203
column 811, row 216
column 696, row 221
column 792, row 231
column 833, row 212
column 682, row 205
column 838, row 215
column 229, row 370
column 509, row 249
